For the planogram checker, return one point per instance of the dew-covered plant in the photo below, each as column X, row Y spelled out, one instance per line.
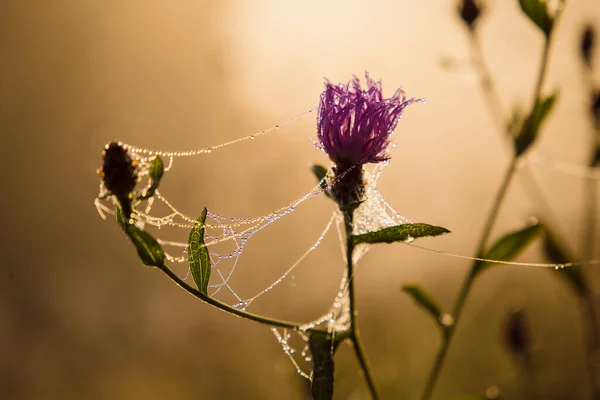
column 355, row 124
column 354, row 128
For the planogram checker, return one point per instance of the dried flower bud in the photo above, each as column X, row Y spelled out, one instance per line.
column 516, row 333
column 119, row 174
column 587, row 44
column 469, row 11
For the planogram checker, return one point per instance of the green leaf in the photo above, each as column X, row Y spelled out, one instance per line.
column 537, row 11
column 531, row 126
column 510, row 246
column 428, row 303
column 148, row 249
column 320, row 173
column 424, row 299
column 155, row 173
column 399, row 233
column 198, row 255
column 322, row 348
column 556, row 253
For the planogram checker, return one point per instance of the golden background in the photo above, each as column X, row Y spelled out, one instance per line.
column 80, row 318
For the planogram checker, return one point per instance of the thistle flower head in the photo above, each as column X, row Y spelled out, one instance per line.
column 354, row 125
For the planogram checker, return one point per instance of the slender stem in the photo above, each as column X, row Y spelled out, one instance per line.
column 468, row 282
column 493, row 102
column 542, row 73
column 359, row 349
column 487, row 229
column 225, row 307
column 488, row 87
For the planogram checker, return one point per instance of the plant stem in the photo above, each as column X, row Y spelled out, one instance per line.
column 228, row 309
column 541, row 73
column 487, row 229
column 468, row 282
column 492, row 100
column 487, row 85
column 359, row 349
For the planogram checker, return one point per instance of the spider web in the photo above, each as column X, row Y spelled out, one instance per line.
column 227, row 237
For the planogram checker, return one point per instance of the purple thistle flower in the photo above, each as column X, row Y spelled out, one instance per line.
column 354, row 128
column 354, row 125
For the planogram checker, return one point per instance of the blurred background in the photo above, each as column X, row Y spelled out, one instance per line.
column 81, row 318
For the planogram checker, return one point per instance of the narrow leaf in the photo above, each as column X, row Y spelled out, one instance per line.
column 148, row 249
column 322, row 348
column 320, row 173
column 556, row 253
column 198, row 255
column 531, row 126
column 155, row 173
column 399, row 233
column 428, row 303
column 510, row 245
column 537, row 11
column 424, row 299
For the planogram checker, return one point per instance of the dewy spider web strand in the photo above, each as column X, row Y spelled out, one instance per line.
column 295, row 264
column 207, row 150
column 513, row 263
